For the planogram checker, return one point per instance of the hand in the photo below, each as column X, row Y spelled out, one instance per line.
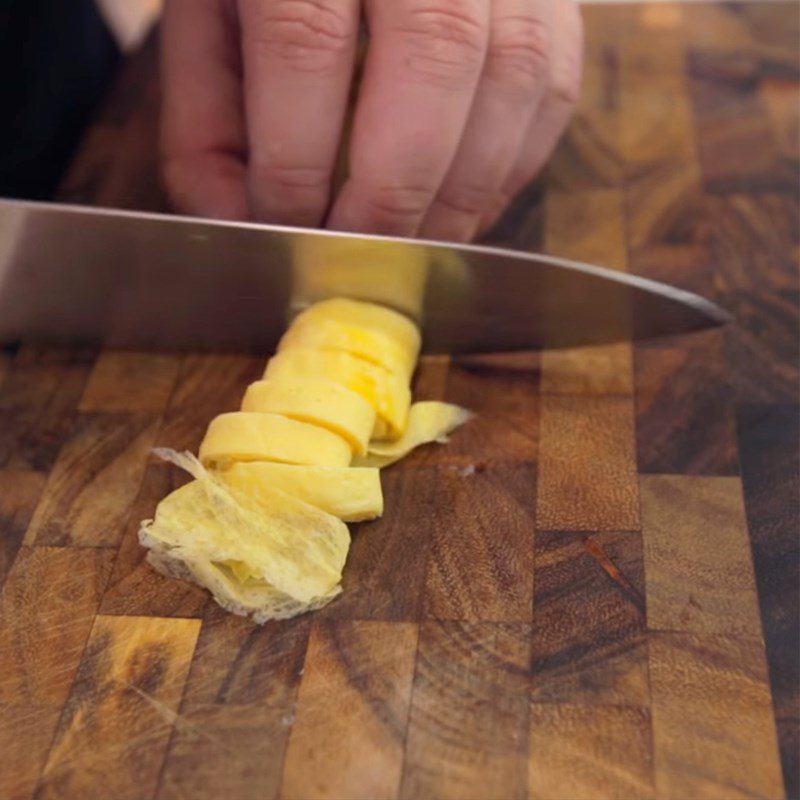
column 461, row 103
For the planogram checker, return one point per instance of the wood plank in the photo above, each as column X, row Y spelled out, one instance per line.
column 752, row 240
column 92, row 486
column 587, row 226
column 768, row 437
column 590, row 752
column 658, row 147
column 468, row 730
column 699, row 685
column 684, row 413
column 697, row 556
column 481, row 551
column 46, row 611
column 503, row 394
column 230, row 737
column 135, row 588
column 385, row 574
column 38, row 400
column 19, row 494
column 589, row 623
column 115, row 727
column 730, row 121
column 779, row 96
column 130, row 381
column 352, row 711
column 588, row 157
column 208, row 385
column 26, row 732
column 587, row 467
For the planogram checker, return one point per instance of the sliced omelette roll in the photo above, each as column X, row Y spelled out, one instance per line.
column 321, row 402
column 377, row 318
column 266, row 553
column 428, row 421
column 388, row 394
column 325, row 333
column 250, row 436
column 352, row 494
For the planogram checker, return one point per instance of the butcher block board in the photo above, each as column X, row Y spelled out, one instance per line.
column 590, row 593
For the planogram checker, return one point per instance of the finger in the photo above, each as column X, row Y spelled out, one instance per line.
column 513, row 82
column 420, row 77
column 202, row 127
column 298, row 64
column 553, row 115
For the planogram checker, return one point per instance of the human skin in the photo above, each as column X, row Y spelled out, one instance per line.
column 460, row 105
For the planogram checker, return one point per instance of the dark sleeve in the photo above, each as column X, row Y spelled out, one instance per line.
column 57, row 58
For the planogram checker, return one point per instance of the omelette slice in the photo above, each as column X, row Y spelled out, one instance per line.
column 320, row 402
column 290, row 553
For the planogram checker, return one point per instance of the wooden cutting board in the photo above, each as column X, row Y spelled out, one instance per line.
column 592, row 592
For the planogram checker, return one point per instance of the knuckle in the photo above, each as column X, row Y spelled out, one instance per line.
column 446, row 42
column 312, row 35
column 464, row 199
column 289, row 178
column 398, row 202
column 566, row 87
column 519, row 51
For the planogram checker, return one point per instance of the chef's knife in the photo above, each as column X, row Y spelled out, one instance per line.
column 75, row 275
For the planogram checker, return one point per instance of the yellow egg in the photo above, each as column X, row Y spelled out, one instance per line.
column 388, row 394
column 428, row 421
column 377, row 318
column 320, row 402
column 352, row 494
column 264, row 553
column 250, row 436
column 324, row 333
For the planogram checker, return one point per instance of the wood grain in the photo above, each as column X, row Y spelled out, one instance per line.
column 92, row 486
column 489, row 575
column 356, row 689
column 684, row 414
column 492, row 640
column 134, row 587
column 718, row 744
column 46, row 612
column 729, row 121
column 503, row 394
column 130, row 381
column 768, row 437
column 468, row 730
column 38, row 400
column 587, row 468
column 238, row 709
column 589, row 645
column 207, row 385
column 387, row 563
column 116, row 724
column 591, row 752
column 588, row 226
column 19, row 493
column 697, row 556
column 26, row 732
column 589, row 156
column 48, row 604
column 779, row 96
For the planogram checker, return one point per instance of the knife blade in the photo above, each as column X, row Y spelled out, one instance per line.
column 79, row 275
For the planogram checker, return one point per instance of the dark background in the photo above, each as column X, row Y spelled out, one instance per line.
column 57, row 59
